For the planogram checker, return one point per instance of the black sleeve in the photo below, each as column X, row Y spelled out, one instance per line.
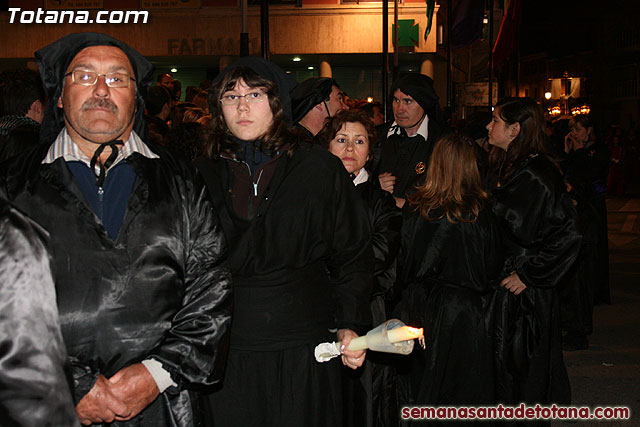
column 351, row 261
column 191, row 350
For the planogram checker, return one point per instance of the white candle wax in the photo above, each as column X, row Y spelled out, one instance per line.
column 403, row 333
column 359, row 343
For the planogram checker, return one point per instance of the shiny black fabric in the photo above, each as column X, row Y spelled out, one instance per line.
column 161, row 290
column 541, row 240
column 367, row 392
column 302, row 265
column 33, row 387
column 448, row 270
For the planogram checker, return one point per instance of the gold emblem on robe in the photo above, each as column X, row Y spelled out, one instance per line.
column 420, row 167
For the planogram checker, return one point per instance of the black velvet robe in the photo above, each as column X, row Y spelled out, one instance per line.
column 161, row 290
column 448, row 270
column 33, row 387
column 302, row 265
column 538, row 224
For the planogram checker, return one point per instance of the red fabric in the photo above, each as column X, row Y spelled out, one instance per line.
column 507, row 39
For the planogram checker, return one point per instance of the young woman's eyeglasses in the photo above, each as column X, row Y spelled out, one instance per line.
column 232, row 99
column 90, row 78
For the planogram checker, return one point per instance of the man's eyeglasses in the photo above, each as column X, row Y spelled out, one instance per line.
column 249, row 97
column 90, row 78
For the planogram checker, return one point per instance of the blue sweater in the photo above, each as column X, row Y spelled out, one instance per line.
column 109, row 202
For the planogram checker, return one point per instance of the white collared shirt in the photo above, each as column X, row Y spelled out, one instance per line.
column 363, row 176
column 423, row 129
column 66, row 148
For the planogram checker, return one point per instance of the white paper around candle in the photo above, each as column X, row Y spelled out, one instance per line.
column 390, row 337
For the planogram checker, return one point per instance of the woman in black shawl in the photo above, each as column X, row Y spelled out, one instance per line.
column 450, row 256
column 349, row 136
column 537, row 222
column 299, row 253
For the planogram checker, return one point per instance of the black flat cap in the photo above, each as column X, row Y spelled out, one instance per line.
column 310, row 93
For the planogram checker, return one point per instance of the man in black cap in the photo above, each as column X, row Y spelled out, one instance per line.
column 313, row 101
column 142, row 286
column 418, row 124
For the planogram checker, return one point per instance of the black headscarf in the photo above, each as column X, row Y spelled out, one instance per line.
column 420, row 88
column 310, row 93
column 53, row 61
column 269, row 71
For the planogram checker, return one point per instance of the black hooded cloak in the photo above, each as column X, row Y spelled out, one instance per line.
column 160, row 288
column 541, row 243
column 299, row 266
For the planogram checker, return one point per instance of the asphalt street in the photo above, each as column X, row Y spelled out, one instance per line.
column 608, row 372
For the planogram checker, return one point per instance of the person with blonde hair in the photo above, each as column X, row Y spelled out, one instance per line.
column 450, row 256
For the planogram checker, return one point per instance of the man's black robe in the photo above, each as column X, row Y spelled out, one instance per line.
column 161, row 290
column 408, row 158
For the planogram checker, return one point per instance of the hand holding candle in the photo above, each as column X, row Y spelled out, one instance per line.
column 402, row 333
column 350, row 358
column 390, row 337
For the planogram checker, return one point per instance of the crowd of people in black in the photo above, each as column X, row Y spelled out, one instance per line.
column 199, row 250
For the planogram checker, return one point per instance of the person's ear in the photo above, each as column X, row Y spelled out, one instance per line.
column 60, row 102
column 514, row 130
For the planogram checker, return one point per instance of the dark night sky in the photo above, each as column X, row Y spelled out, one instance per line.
column 558, row 27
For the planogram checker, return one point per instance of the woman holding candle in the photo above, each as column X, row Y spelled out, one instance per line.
column 450, row 255
column 537, row 221
column 348, row 136
column 299, row 252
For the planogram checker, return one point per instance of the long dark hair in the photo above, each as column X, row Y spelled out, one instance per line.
column 221, row 140
column 453, row 182
column 530, row 140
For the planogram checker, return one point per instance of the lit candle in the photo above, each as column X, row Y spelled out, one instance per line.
column 404, row 333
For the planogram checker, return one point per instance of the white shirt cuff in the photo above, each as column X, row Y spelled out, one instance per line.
column 160, row 375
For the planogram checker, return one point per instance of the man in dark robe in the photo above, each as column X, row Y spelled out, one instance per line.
column 142, row 285
column 406, row 150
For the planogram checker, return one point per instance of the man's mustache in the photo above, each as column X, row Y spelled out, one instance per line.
column 99, row 103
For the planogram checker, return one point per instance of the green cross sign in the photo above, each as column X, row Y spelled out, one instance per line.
column 408, row 34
